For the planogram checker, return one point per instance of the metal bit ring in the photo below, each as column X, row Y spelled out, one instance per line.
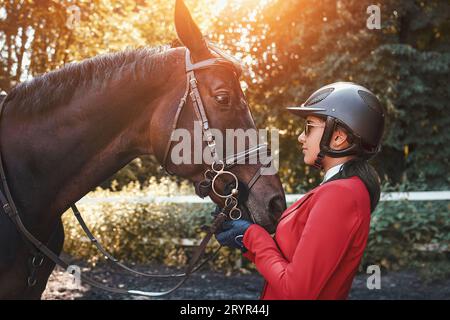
column 214, row 182
column 233, row 204
column 235, row 217
column 221, row 163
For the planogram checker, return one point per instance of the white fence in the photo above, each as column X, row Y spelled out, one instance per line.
column 390, row 196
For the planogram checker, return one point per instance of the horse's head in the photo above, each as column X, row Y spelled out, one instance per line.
column 261, row 197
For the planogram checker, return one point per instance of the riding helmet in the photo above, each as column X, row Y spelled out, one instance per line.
column 352, row 107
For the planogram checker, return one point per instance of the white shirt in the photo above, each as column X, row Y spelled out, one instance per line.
column 331, row 172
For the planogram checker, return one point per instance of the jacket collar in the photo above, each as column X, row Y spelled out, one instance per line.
column 331, row 172
column 297, row 204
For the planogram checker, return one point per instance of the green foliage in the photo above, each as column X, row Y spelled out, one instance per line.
column 302, row 46
column 402, row 232
column 291, row 48
column 409, row 234
column 144, row 233
column 139, row 170
column 33, row 39
column 138, row 233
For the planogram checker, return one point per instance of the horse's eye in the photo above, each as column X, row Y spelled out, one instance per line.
column 223, row 99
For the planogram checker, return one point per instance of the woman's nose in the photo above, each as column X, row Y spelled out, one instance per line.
column 301, row 137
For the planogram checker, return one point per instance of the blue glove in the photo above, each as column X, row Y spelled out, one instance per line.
column 232, row 234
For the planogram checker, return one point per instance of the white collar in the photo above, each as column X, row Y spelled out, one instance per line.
column 331, row 172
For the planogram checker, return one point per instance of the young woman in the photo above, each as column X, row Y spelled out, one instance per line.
column 321, row 238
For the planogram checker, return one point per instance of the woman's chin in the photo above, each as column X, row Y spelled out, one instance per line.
column 308, row 161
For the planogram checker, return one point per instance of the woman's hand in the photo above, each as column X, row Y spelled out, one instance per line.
column 232, row 234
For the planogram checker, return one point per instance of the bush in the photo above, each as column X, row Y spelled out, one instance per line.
column 144, row 233
column 400, row 236
column 408, row 234
column 403, row 233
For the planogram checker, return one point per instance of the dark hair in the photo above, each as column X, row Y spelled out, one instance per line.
column 361, row 168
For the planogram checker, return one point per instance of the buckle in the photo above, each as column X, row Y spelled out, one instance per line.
column 7, row 209
column 211, row 144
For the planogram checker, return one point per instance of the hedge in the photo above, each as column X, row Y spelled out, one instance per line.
column 402, row 233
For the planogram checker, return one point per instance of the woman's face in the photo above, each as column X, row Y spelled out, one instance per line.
column 310, row 138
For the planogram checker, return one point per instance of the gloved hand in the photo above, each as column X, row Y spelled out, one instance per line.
column 232, row 234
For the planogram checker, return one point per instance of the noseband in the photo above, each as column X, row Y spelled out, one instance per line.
column 205, row 187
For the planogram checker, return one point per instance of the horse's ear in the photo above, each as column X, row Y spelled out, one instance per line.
column 188, row 31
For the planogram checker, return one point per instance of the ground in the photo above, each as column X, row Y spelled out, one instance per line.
column 207, row 284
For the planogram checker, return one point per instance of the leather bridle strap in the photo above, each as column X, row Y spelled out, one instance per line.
column 174, row 127
column 199, row 109
column 248, row 155
column 116, row 262
column 241, row 157
column 197, row 100
column 193, row 91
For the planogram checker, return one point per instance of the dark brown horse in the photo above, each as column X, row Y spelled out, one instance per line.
column 65, row 132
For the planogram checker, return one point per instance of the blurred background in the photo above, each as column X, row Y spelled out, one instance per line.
column 290, row 49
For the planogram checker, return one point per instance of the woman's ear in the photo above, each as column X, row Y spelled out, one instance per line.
column 339, row 139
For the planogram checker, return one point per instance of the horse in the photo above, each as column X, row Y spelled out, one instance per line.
column 64, row 132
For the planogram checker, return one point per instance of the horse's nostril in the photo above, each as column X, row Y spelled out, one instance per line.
column 276, row 207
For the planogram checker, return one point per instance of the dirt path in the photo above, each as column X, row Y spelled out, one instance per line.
column 215, row 285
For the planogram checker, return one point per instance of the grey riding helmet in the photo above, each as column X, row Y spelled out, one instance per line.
column 351, row 106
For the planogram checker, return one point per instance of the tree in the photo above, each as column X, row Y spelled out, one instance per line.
column 302, row 45
column 290, row 48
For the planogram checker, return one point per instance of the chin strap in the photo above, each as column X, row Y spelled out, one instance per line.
column 325, row 150
column 318, row 162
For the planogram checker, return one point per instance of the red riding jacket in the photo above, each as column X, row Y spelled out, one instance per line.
column 318, row 243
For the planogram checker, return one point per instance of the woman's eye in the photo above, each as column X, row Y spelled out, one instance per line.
column 223, row 99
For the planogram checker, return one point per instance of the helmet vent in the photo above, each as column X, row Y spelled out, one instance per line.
column 317, row 97
column 371, row 101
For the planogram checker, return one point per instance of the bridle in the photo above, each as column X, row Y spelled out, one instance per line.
column 218, row 168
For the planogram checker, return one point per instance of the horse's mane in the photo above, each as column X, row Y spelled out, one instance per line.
column 45, row 92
